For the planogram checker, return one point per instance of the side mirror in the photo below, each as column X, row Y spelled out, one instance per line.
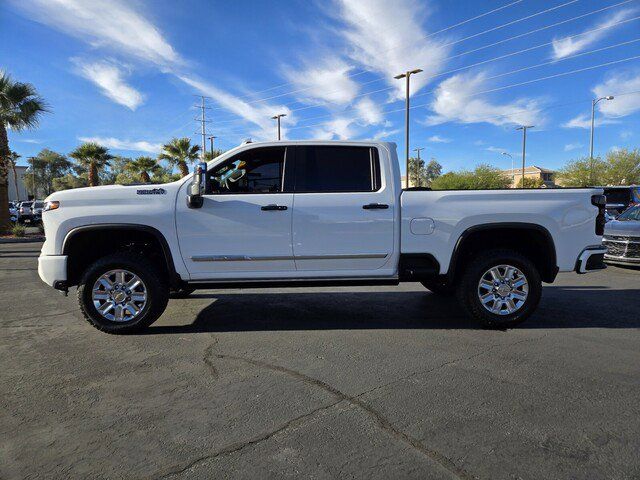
column 197, row 187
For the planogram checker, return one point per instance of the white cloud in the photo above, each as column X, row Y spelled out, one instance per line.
column 257, row 113
column 109, row 77
column 388, row 38
column 496, row 149
column 111, row 23
column 341, row 128
column 386, row 133
column 327, row 81
column 572, row 146
column 563, row 47
column 117, row 144
column 438, row 139
column 455, row 101
column 29, row 140
column 616, row 84
column 626, row 134
column 584, row 121
column 615, row 149
column 369, row 112
column 479, row 142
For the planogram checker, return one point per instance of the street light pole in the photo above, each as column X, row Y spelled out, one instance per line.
column 524, row 129
column 513, row 173
column 594, row 102
column 407, row 76
column 211, row 138
column 278, row 117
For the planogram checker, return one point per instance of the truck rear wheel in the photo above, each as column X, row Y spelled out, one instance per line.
column 121, row 293
column 500, row 288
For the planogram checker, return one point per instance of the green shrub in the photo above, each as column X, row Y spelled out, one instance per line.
column 18, row 230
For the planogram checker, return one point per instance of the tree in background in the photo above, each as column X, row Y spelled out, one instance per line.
column 117, row 172
column 12, row 161
column 482, row 178
column 20, row 109
column 421, row 175
column 69, row 181
column 93, row 158
column 179, row 152
column 208, row 156
column 530, row 182
column 432, row 171
column 165, row 175
column 623, row 167
column 43, row 169
column 583, row 172
column 143, row 167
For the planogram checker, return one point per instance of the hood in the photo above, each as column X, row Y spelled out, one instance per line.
column 623, row 228
column 115, row 194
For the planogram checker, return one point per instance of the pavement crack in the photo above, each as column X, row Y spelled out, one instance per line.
column 378, row 417
column 207, row 359
column 238, row 446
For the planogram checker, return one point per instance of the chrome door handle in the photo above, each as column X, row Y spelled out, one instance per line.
column 273, row 207
column 375, row 206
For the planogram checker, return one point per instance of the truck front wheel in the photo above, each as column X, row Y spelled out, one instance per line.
column 121, row 293
column 500, row 288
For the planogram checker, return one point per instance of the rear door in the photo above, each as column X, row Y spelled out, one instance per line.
column 343, row 215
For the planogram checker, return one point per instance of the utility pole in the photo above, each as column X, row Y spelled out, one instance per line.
column 203, row 126
column 211, row 139
column 407, row 76
column 594, row 102
column 417, row 150
column 524, row 129
column 278, row 117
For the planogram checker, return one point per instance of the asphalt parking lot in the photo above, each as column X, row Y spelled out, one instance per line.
column 389, row 382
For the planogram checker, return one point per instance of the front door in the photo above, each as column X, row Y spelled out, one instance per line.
column 243, row 229
column 343, row 214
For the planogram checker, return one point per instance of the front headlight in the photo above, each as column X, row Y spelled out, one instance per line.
column 51, row 205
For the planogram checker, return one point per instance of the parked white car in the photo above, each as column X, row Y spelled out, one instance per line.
column 312, row 213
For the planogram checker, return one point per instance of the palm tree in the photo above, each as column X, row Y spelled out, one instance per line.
column 178, row 152
column 93, row 158
column 209, row 155
column 20, row 109
column 13, row 159
column 143, row 166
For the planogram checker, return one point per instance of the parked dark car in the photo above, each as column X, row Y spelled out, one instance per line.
column 621, row 198
column 622, row 238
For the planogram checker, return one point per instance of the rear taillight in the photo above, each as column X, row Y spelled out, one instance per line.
column 600, row 201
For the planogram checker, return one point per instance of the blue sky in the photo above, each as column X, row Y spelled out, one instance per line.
column 125, row 73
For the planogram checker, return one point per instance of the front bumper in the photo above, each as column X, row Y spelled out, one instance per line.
column 53, row 270
column 591, row 259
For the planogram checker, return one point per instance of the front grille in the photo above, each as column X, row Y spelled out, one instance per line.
column 622, row 246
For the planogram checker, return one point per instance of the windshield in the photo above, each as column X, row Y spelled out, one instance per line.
column 632, row 213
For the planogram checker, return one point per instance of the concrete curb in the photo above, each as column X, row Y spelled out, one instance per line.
column 22, row 240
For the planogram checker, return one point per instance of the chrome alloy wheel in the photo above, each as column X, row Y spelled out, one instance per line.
column 119, row 295
column 503, row 289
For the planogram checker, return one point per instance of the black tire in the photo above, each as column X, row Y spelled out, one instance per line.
column 439, row 288
column 467, row 290
column 181, row 292
column 157, row 292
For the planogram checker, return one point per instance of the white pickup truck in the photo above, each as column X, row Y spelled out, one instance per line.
column 312, row 213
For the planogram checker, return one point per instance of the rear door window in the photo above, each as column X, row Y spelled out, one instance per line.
column 326, row 169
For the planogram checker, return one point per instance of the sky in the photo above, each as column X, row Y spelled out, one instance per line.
column 127, row 74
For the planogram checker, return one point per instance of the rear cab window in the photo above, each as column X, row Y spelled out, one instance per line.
column 333, row 169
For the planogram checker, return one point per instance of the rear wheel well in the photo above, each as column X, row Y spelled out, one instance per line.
column 86, row 245
column 534, row 242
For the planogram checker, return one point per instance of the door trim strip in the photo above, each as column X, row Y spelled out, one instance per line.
column 249, row 258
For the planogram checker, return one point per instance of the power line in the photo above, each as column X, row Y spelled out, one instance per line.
column 571, row 72
column 321, row 104
column 504, row 25
column 431, row 34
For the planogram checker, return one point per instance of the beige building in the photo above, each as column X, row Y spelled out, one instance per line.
column 533, row 172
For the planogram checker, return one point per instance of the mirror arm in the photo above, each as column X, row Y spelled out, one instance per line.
column 196, row 188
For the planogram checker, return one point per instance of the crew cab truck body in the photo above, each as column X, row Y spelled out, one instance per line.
column 312, row 213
